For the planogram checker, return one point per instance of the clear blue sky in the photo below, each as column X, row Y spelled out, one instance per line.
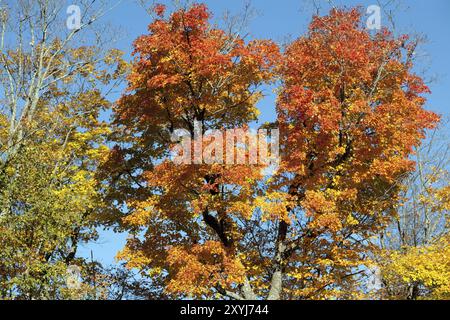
column 282, row 19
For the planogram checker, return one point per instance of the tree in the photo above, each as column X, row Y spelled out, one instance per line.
column 417, row 272
column 414, row 256
column 350, row 111
column 186, row 71
column 51, row 142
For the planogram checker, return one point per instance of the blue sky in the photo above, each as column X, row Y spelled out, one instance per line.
column 283, row 19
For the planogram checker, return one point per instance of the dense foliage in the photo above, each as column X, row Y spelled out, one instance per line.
column 348, row 194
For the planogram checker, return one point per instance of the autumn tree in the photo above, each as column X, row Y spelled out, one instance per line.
column 350, row 110
column 413, row 261
column 353, row 109
column 186, row 71
column 51, row 142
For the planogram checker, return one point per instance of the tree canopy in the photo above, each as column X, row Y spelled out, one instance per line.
column 298, row 208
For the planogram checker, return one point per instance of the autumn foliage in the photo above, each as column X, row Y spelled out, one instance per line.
column 349, row 192
column 350, row 111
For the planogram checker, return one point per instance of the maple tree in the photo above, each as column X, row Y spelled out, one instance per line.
column 350, row 110
column 353, row 109
column 185, row 70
